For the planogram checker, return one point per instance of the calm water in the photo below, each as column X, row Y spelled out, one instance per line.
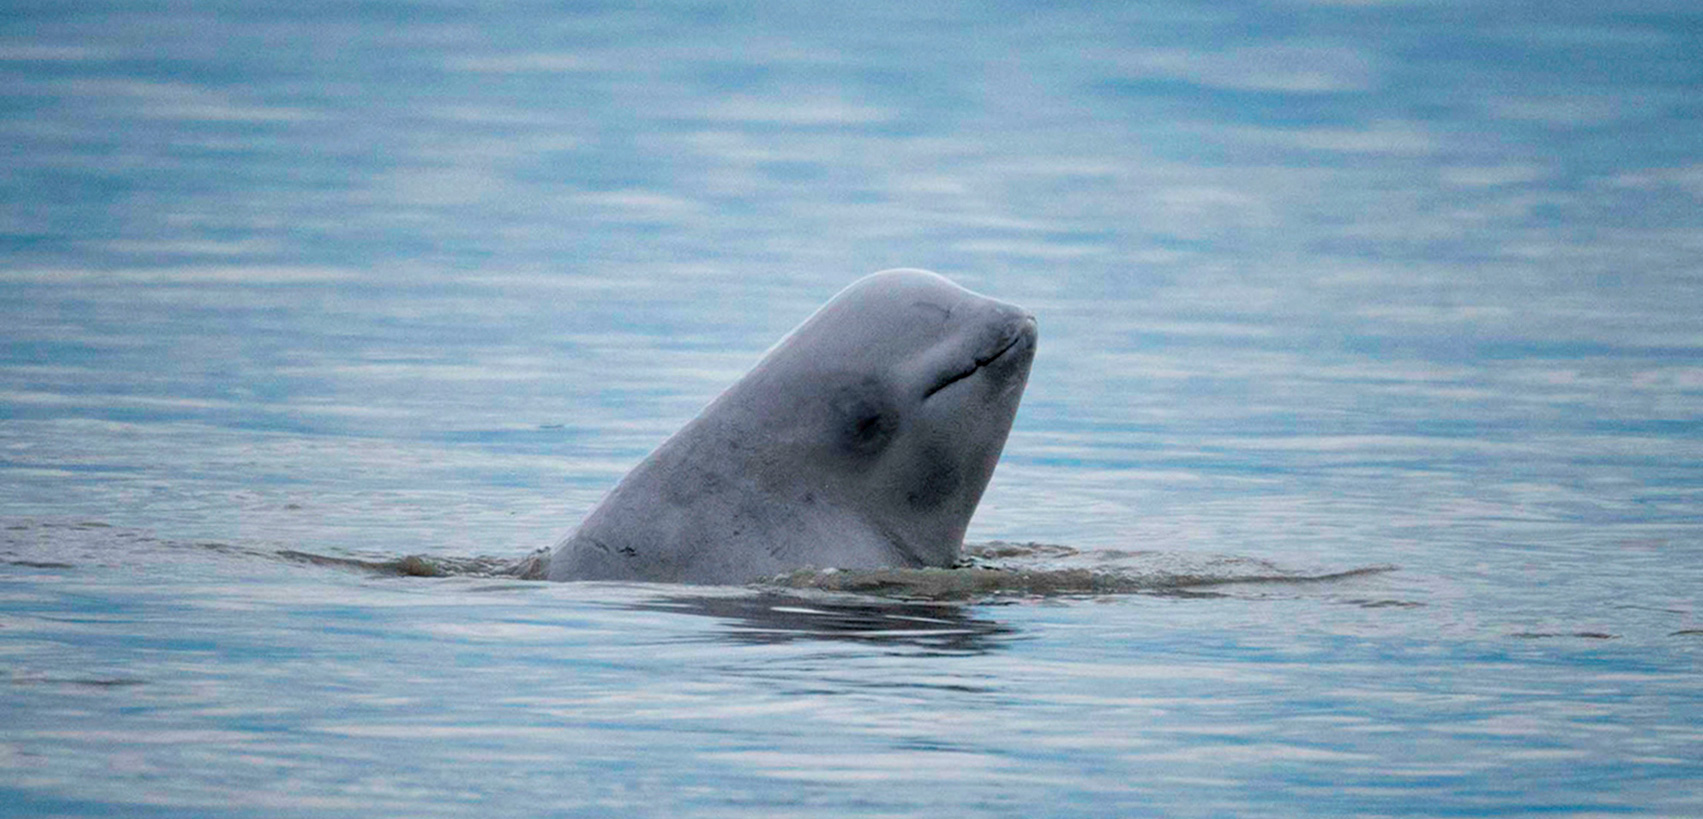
column 1322, row 287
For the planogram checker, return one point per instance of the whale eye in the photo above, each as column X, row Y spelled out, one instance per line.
column 866, row 422
column 868, row 431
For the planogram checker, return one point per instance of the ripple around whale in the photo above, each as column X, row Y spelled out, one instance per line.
column 1004, row 569
column 991, row 570
column 988, row 570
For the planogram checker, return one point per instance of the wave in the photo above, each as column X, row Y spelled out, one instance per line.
column 986, row 570
column 1000, row 568
column 995, row 569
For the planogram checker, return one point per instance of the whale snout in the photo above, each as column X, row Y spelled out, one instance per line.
column 1012, row 363
column 1005, row 342
column 1028, row 330
column 1012, row 330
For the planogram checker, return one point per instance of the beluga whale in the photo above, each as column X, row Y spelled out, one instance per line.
column 863, row 439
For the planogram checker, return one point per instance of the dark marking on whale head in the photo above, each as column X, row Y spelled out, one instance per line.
column 937, row 480
column 866, row 419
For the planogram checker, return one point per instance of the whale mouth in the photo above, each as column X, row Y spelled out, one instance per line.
column 1025, row 330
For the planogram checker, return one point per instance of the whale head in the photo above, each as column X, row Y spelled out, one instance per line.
column 895, row 400
column 863, row 439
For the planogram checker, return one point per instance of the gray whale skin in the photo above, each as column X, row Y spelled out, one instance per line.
column 864, row 439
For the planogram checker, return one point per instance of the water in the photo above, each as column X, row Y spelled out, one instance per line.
column 1398, row 297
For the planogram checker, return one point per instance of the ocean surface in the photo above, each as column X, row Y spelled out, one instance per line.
column 1360, row 472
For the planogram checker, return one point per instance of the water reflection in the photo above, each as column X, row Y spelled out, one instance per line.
column 770, row 618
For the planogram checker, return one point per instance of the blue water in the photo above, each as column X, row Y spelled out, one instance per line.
column 1404, row 287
